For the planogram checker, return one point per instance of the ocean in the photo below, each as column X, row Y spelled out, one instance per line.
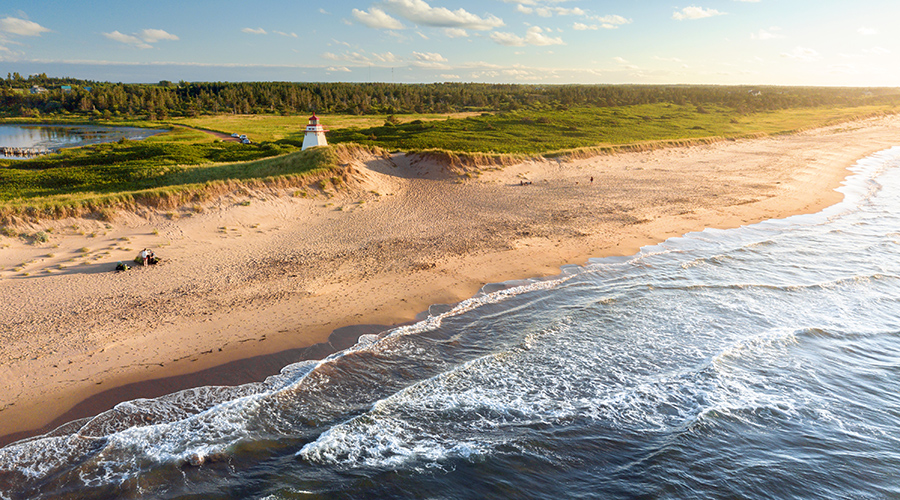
column 759, row 362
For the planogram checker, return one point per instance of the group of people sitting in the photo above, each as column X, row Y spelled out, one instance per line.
column 145, row 258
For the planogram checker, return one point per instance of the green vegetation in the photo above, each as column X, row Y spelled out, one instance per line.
column 111, row 167
column 542, row 132
column 153, row 172
column 185, row 166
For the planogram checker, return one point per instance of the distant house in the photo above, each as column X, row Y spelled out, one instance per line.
column 37, row 89
column 88, row 88
column 66, row 88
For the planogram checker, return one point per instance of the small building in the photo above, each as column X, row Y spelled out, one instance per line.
column 315, row 133
column 66, row 88
column 37, row 89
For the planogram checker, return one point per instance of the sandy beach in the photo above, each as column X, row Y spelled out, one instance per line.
column 251, row 279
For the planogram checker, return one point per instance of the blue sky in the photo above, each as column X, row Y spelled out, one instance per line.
column 784, row 42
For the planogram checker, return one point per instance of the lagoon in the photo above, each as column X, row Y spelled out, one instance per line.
column 53, row 137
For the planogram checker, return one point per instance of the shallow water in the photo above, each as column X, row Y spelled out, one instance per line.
column 760, row 362
column 54, row 137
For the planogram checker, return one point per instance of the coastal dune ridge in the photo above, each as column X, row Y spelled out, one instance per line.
column 269, row 271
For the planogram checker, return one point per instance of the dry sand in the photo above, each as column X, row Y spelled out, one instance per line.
column 256, row 273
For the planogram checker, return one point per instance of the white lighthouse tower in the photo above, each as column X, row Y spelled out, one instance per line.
column 315, row 133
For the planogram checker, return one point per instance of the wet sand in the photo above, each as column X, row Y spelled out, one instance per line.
column 255, row 277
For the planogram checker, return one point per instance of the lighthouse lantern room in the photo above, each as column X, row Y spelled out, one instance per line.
column 315, row 133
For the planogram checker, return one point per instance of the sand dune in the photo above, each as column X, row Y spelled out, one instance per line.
column 265, row 271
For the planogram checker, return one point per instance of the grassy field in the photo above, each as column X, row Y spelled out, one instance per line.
column 541, row 132
column 183, row 164
column 263, row 128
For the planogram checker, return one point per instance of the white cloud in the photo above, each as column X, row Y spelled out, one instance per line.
column 256, row 31
column 352, row 57
column 534, row 2
column 21, row 27
column 127, row 39
column 289, row 35
column 867, row 31
column 694, row 12
column 419, row 12
column 385, row 57
column 430, row 56
column 431, row 60
column 550, row 11
column 338, row 69
column 361, row 58
column 323, row 11
column 6, row 54
column 624, row 62
column 154, row 35
column 524, row 10
column 533, row 36
column 610, row 22
column 766, row 34
column 455, row 32
column 377, row 18
column 615, row 20
column 450, row 77
column 802, row 54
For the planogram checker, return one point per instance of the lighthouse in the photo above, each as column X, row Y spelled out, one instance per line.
column 315, row 133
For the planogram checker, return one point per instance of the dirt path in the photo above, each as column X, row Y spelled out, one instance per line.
column 218, row 135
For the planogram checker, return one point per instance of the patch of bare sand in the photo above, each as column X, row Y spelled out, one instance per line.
column 261, row 272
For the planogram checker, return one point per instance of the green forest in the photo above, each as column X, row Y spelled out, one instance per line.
column 39, row 96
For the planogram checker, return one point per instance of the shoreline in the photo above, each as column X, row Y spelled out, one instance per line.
column 285, row 272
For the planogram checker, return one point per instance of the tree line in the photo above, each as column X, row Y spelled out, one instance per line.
column 167, row 99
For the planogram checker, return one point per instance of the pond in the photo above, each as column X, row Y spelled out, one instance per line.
column 21, row 141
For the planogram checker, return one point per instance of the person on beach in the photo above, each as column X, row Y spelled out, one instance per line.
column 147, row 256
